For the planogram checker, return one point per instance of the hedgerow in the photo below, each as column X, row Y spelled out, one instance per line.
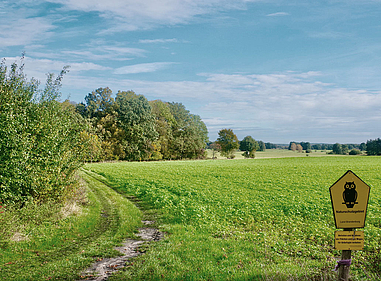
column 39, row 138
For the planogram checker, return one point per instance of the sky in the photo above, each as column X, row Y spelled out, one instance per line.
column 276, row 70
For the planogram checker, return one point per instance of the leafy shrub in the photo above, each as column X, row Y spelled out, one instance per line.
column 39, row 139
column 355, row 152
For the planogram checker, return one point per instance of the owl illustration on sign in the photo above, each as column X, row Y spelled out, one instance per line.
column 350, row 194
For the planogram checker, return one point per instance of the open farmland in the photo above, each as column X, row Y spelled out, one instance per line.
column 247, row 219
column 272, row 153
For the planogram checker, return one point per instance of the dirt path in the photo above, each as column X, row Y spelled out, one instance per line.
column 103, row 268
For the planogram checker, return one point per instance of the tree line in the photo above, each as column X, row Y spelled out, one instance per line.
column 132, row 128
column 227, row 143
column 372, row 147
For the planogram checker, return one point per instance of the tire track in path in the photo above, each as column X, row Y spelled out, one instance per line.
column 102, row 269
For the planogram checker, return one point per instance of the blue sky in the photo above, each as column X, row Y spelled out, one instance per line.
column 279, row 71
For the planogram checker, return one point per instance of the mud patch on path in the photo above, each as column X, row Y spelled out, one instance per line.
column 102, row 269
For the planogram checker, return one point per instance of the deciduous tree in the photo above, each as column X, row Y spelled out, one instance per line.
column 299, row 148
column 262, row 146
column 373, row 147
column 138, row 123
column 190, row 134
column 215, row 146
column 249, row 146
column 228, row 142
column 337, row 148
column 293, row 146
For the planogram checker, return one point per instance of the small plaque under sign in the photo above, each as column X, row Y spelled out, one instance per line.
column 349, row 240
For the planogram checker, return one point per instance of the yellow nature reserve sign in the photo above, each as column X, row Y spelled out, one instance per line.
column 349, row 196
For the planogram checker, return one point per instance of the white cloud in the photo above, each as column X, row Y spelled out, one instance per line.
column 38, row 68
column 147, row 13
column 112, row 53
column 278, row 14
column 329, row 35
column 142, row 68
column 124, row 50
column 154, row 41
column 16, row 31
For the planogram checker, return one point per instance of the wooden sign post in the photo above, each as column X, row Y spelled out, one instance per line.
column 349, row 197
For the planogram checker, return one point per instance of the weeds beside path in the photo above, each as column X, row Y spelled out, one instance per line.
column 55, row 247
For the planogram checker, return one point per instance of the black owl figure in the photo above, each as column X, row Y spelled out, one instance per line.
column 350, row 194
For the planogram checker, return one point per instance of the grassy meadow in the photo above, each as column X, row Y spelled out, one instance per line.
column 272, row 153
column 57, row 242
column 254, row 219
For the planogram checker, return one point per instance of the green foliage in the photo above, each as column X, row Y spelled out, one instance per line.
column 262, row 146
column 99, row 110
column 92, row 146
column 39, row 139
column 189, row 132
column 137, row 121
column 164, row 125
column 113, row 137
column 131, row 128
column 249, row 146
column 304, row 146
column 362, row 146
column 344, row 149
column 99, row 103
column 337, row 148
column 214, row 146
column 228, row 142
column 373, row 147
column 355, row 152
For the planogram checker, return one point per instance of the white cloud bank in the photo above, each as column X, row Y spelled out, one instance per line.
column 17, row 31
column 38, row 68
column 278, row 14
column 142, row 68
column 147, row 13
column 154, row 41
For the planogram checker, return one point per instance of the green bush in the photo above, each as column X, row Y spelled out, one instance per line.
column 39, row 139
column 355, row 152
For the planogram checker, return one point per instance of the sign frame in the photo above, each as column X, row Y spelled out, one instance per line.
column 350, row 205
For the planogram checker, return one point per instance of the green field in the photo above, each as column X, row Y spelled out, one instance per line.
column 272, row 153
column 257, row 219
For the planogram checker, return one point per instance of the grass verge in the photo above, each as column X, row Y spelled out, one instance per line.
column 56, row 242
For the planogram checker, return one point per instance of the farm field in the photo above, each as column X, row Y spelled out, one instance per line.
column 255, row 219
column 273, row 153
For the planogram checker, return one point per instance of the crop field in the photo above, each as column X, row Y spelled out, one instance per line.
column 273, row 153
column 257, row 219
